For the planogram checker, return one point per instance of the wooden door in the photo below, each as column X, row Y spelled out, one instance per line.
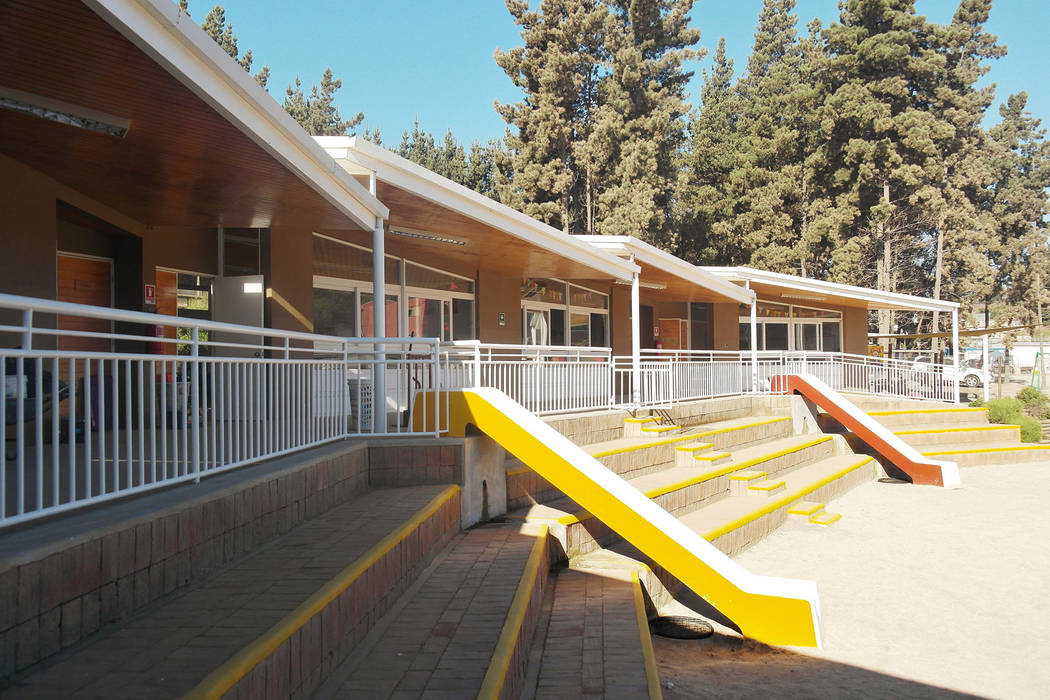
column 85, row 281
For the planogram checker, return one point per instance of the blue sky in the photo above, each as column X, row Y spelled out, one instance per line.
column 432, row 59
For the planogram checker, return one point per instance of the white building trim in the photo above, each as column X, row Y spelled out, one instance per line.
column 400, row 172
column 627, row 246
column 874, row 298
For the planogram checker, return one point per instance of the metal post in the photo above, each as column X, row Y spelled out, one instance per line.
column 379, row 327
column 27, row 333
column 754, row 338
column 987, row 378
column 195, row 405
column 955, row 352
column 636, row 344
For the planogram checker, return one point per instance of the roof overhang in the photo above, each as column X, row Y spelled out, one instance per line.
column 790, row 289
column 206, row 145
column 664, row 269
column 415, row 182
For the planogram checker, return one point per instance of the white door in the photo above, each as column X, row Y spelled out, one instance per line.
column 238, row 300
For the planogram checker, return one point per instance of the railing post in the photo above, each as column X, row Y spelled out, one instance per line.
column 195, row 391
column 27, row 332
column 477, row 364
column 636, row 343
column 436, row 388
column 754, row 339
column 344, row 391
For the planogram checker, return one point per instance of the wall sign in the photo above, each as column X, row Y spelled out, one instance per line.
column 149, row 294
column 502, row 318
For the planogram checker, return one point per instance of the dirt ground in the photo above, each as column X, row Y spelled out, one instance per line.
column 925, row 593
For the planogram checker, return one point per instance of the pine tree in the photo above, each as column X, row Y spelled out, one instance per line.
column 1021, row 169
column 645, row 109
column 558, row 70
column 221, row 32
column 318, row 113
column 706, row 199
column 884, row 143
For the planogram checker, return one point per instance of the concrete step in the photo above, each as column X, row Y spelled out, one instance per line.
column 980, row 454
column 932, row 416
column 735, row 522
column 804, row 510
column 958, row 434
column 275, row 622
column 464, row 629
column 825, row 519
column 680, row 490
column 596, row 641
column 637, row 456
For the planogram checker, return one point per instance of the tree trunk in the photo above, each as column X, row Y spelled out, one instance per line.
column 1039, row 328
column 884, row 282
column 936, row 342
column 590, row 211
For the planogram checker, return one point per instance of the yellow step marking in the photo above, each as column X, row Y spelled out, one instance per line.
column 967, row 429
column 825, row 519
column 983, row 450
column 747, row 476
column 697, row 447
column 806, row 508
column 922, row 411
column 767, row 486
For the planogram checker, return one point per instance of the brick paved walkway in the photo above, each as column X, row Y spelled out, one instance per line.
column 592, row 648
column 440, row 643
column 165, row 650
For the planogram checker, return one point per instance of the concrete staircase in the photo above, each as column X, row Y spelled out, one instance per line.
column 960, row 434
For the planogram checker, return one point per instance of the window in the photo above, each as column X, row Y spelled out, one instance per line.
column 558, row 313
column 789, row 327
column 431, row 303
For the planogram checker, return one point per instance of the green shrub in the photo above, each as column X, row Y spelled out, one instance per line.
column 1032, row 399
column 1031, row 431
column 977, row 403
column 1005, row 410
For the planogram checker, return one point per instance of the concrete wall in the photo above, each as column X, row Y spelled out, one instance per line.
column 620, row 319
column 855, row 331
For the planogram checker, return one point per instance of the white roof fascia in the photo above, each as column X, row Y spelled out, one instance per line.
column 805, row 284
column 404, row 174
column 651, row 255
column 175, row 42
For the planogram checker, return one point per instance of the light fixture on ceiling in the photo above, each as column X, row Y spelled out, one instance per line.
column 426, row 236
column 803, row 297
column 63, row 112
column 644, row 285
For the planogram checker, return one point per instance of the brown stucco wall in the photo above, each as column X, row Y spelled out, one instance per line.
column 289, row 280
column 855, row 331
column 183, row 249
column 620, row 319
column 27, row 231
column 496, row 293
column 725, row 319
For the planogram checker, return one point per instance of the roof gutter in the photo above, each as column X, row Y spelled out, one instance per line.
column 175, row 42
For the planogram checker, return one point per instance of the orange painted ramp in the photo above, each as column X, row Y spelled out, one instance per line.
column 878, row 437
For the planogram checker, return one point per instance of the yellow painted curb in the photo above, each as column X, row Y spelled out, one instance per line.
column 496, row 675
column 825, row 519
column 660, row 429
column 968, row 429
column 719, row 431
column 695, row 448
column 781, row 502
column 652, row 678
column 806, row 508
column 642, row 446
column 986, row 450
column 921, row 411
column 650, row 419
column 219, row 681
column 572, row 519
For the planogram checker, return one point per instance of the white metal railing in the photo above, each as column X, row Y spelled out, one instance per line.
column 545, row 379
column 102, row 403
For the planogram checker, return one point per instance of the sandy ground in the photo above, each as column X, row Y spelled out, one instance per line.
column 924, row 593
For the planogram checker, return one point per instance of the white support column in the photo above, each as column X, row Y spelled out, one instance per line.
column 636, row 343
column 956, row 352
column 379, row 327
column 754, row 338
column 987, row 371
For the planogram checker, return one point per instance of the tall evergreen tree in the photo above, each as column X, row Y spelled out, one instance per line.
column 707, row 199
column 557, row 70
column 644, row 111
column 883, row 142
column 318, row 113
column 221, row 32
column 1019, row 206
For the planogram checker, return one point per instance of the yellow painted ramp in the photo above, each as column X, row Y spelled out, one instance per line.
column 772, row 610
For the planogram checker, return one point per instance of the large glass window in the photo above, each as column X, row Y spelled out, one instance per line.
column 789, row 327
column 572, row 315
column 335, row 312
column 776, row 336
